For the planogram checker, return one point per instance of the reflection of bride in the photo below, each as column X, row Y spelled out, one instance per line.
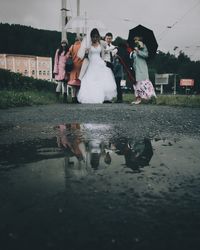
column 98, row 83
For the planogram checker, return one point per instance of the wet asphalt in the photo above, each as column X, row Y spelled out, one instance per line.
column 110, row 176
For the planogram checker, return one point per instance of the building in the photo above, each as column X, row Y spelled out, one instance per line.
column 32, row 66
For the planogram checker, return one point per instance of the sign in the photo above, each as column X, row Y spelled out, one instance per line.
column 187, row 82
column 161, row 79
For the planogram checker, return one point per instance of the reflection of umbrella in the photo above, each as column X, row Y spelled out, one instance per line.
column 84, row 24
column 139, row 154
column 148, row 38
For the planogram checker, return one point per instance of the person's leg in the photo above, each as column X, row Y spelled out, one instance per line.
column 138, row 100
column 119, row 90
column 58, row 89
column 76, row 93
column 74, row 98
column 136, row 88
column 64, row 88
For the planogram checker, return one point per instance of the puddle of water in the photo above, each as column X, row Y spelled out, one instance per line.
column 87, row 169
column 91, row 151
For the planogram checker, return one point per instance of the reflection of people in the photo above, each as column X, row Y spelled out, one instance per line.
column 74, row 74
column 143, row 87
column 136, row 154
column 61, row 76
column 67, row 141
column 107, row 158
column 73, row 147
column 95, row 150
column 98, row 83
column 139, row 154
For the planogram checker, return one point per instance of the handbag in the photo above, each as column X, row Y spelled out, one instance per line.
column 69, row 64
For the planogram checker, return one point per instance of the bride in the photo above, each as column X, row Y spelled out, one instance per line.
column 98, row 83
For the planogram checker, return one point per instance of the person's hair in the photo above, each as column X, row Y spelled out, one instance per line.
column 94, row 32
column 109, row 34
column 140, row 38
column 78, row 38
column 61, row 49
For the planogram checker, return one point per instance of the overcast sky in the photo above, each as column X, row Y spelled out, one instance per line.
column 175, row 22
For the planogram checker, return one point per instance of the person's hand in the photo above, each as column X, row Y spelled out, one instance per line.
column 136, row 49
column 86, row 53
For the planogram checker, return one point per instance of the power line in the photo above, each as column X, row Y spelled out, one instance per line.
column 166, row 30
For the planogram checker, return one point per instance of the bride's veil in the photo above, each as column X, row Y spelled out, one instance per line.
column 85, row 44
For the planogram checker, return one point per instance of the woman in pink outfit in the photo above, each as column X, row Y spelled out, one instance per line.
column 61, row 76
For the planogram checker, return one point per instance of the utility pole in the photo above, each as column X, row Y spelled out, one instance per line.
column 175, row 84
column 78, row 14
column 64, row 19
column 78, row 7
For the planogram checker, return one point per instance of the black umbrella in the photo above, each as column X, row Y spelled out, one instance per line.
column 148, row 38
column 139, row 153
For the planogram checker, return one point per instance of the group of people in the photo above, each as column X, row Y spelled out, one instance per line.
column 98, row 70
column 83, row 152
column 62, row 76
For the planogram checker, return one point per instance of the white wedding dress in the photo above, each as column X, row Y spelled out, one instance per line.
column 98, row 83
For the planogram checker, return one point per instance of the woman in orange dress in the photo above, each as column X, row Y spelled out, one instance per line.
column 74, row 82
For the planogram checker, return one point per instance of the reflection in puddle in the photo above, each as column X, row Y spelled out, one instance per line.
column 83, row 150
column 89, row 181
column 86, row 149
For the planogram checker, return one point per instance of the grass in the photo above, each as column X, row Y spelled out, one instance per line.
column 25, row 98
column 179, row 100
column 29, row 98
column 170, row 100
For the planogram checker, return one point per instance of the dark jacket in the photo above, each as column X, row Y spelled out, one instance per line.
column 117, row 68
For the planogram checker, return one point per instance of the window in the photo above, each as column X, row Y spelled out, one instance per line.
column 25, row 63
column 2, row 62
column 32, row 63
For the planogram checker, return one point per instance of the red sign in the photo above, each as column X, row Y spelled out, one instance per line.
column 187, row 82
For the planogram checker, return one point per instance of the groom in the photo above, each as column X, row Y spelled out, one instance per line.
column 112, row 62
column 110, row 50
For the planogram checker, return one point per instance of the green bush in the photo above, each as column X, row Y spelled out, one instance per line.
column 18, row 90
column 13, row 99
column 26, row 98
column 16, row 81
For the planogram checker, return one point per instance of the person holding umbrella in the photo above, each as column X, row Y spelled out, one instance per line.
column 144, row 45
column 143, row 87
